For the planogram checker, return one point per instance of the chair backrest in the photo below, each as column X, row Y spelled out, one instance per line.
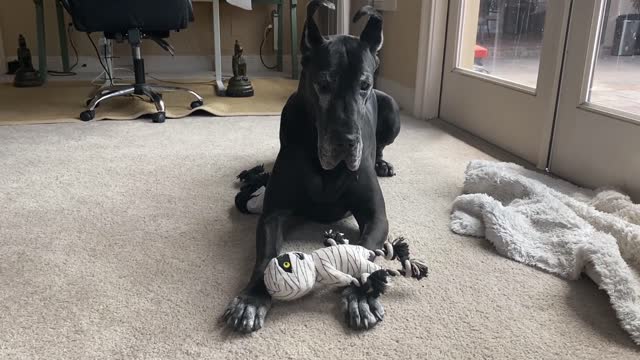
column 118, row 16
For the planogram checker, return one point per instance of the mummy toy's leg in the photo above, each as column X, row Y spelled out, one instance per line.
column 333, row 238
column 399, row 250
column 377, row 282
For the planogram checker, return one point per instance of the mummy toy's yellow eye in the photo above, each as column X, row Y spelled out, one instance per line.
column 284, row 261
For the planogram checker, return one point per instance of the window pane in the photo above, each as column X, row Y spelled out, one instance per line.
column 616, row 79
column 503, row 38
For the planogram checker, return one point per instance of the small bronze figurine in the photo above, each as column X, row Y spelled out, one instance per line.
column 239, row 84
column 26, row 75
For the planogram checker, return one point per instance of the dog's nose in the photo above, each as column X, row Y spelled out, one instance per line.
column 347, row 141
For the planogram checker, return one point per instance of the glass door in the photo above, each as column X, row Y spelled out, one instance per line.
column 502, row 71
column 596, row 140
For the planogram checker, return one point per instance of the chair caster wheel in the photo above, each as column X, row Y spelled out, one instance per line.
column 158, row 117
column 196, row 104
column 87, row 115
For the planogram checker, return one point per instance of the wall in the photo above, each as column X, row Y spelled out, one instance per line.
column 397, row 74
column 246, row 26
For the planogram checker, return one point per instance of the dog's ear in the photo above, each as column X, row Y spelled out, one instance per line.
column 372, row 32
column 311, row 36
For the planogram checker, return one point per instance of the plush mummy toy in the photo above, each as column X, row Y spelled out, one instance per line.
column 294, row 274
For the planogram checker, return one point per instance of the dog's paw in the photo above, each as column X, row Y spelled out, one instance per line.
column 362, row 311
column 246, row 312
column 333, row 238
column 384, row 169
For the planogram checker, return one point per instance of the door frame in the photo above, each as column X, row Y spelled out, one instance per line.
column 343, row 14
column 431, row 55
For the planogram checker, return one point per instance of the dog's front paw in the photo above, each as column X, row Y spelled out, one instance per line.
column 384, row 169
column 246, row 312
column 362, row 311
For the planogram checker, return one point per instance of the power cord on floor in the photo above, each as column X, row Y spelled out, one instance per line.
column 95, row 81
column 75, row 52
column 181, row 82
column 267, row 30
column 100, row 59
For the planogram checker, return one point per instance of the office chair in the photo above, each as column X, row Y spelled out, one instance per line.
column 133, row 21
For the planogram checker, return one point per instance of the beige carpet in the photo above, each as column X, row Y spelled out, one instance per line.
column 63, row 101
column 119, row 240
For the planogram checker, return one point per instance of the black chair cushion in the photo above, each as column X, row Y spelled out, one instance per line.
column 118, row 16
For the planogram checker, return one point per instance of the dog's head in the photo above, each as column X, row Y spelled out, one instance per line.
column 337, row 79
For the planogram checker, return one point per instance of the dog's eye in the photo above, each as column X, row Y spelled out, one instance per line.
column 365, row 85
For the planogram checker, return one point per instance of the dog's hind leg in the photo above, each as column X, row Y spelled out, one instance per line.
column 388, row 127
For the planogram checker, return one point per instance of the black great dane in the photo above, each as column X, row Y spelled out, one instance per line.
column 332, row 134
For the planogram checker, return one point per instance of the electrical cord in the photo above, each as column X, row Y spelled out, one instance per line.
column 264, row 38
column 111, row 78
column 61, row 73
column 159, row 79
column 181, row 82
column 73, row 46
column 100, row 59
column 75, row 51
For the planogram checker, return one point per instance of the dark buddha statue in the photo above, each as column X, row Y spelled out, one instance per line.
column 239, row 85
column 26, row 75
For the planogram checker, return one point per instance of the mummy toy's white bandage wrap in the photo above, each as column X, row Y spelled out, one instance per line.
column 342, row 265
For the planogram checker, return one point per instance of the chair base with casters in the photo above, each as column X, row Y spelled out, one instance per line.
column 140, row 87
column 153, row 92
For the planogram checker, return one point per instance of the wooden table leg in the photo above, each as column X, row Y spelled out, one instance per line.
column 280, row 9
column 219, row 85
column 42, row 41
column 62, row 35
column 294, row 39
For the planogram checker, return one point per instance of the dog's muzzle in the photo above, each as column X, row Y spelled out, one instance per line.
column 331, row 153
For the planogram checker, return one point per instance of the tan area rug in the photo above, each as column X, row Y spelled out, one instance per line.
column 62, row 102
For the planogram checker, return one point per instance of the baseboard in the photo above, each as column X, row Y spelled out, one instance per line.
column 182, row 64
column 404, row 96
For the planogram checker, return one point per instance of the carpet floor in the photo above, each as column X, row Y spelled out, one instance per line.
column 119, row 240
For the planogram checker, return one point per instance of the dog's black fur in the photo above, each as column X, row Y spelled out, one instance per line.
column 332, row 134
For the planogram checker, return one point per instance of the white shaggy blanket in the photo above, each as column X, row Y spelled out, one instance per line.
column 558, row 227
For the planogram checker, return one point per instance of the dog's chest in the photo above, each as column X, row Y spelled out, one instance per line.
column 329, row 186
